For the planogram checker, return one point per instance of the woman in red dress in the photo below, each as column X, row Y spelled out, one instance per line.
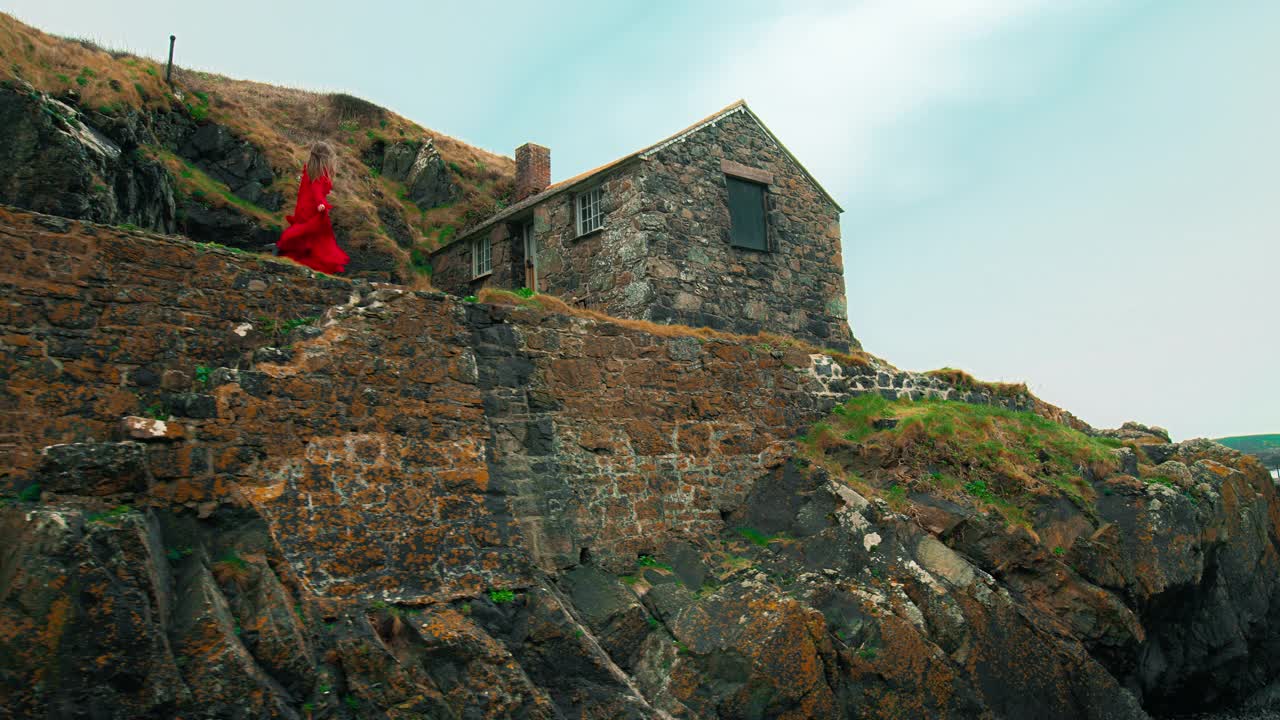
column 309, row 238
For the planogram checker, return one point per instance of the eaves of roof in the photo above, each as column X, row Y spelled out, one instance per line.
column 642, row 154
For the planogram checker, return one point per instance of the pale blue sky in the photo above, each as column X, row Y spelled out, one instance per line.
column 1082, row 195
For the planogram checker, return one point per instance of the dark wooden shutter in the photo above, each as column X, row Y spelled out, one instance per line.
column 746, row 214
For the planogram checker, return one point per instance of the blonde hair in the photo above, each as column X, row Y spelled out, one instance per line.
column 322, row 160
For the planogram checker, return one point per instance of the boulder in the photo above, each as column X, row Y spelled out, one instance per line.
column 53, row 161
column 94, row 468
column 425, row 175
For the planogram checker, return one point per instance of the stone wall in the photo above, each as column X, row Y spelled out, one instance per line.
column 454, row 436
column 603, row 269
column 363, row 451
column 318, row 450
column 451, row 266
column 835, row 383
column 698, row 278
column 400, row 444
column 664, row 252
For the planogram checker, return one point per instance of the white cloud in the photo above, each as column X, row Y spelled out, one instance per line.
column 831, row 82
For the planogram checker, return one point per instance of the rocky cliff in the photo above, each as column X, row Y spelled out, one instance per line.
column 97, row 135
column 237, row 489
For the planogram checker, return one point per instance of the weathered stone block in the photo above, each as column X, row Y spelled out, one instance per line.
column 103, row 468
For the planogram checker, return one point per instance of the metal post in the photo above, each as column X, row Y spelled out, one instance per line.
column 168, row 71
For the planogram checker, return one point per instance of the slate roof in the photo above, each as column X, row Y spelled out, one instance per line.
column 643, row 153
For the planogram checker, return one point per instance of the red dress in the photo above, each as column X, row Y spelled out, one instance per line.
column 309, row 238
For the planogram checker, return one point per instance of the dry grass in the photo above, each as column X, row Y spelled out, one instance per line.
column 104, row 80
column 282, row 122
column 550, row 303
column 285, row 121
column 965, row 381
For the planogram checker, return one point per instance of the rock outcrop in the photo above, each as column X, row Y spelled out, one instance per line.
column 233, row 161
column 427, row 179
column 52, row 160
column 60, row 160
column 240, row 490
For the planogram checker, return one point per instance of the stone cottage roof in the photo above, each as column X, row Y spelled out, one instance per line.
column 642, row 154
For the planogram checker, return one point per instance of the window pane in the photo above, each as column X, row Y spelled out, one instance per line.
column 480, row 257
column 746, row 214
column 589, row 215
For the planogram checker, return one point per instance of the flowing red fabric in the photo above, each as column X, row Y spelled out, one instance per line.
column 309, row 238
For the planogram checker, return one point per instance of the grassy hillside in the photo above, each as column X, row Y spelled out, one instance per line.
column 1265, row 447
column 281, row 122
column 979, row 455
column 1252, row 443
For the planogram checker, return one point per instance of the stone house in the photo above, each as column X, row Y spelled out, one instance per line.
column 718, row 226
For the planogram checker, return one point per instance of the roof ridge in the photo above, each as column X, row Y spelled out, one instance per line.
column 643, row 153
column 711, row 119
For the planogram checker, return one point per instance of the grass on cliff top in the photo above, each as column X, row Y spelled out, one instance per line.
column 527, row 299
column 964, row 381
column 282, row 122
column 992, row 456
column 112, row 80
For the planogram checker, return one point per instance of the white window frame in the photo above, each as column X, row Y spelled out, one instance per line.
column 481, row 262
column 588, row 210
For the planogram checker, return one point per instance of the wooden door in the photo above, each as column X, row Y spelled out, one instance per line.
column 530, row 256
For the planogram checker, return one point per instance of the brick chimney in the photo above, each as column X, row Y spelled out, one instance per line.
column 533, row 170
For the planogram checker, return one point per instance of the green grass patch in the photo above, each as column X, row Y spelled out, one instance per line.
column 156, row 411
column 998, row 457
column 856, row 417
column 219, row 246
column 233, row 559
column 196, row 184
column 897, row 496
column 501, row 597
column 278, row 327
column 176, row 554
column 111, row 516
column 420, row 262
column 649, row 561
column 755, row 537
